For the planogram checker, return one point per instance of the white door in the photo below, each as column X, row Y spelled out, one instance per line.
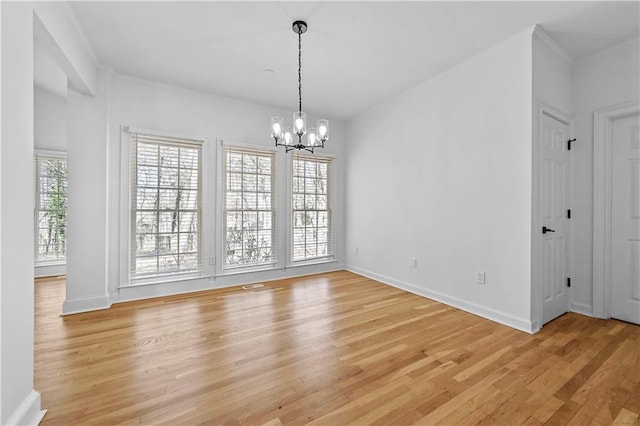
column 555, row 175
column 625, row 215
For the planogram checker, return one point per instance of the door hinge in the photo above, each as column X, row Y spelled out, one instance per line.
column 568, row 213
column 568, row 282
column 569, row 143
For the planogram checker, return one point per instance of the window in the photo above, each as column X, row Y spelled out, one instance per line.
column 51, row 208
column 249, row 207
column 311, row 203
column 166, row 198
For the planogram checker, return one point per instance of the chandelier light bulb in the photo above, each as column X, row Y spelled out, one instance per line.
column 323, row 130
column 300, row 123
column 311, row 137
column 277, row 123
column 288, row 137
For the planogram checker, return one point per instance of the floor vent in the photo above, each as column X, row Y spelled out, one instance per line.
column 252, row 286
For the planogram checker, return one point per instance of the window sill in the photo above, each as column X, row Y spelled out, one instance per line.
column 40, row 263
column 165, row 279
column 318, row 261
column 248, row 270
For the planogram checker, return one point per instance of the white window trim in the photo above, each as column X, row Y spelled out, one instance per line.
column 61, row 155
column 50, row 153
column 125, row 211
column 220, row 270
column 290, row 263
column 58, row 262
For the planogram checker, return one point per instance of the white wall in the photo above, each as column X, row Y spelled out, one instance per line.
column 442, row 173
column 47, row 74
column 551, row 74
column 604, row 79
column 142, row 104
column 50, row 121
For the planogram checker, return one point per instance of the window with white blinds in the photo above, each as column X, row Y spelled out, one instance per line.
column 51, row 208
column 166, row 205
column 311, row 207
column 249, row 207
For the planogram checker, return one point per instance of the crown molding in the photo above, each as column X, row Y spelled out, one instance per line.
column 545, row 39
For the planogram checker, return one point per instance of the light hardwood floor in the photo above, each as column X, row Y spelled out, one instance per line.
column 328, row 349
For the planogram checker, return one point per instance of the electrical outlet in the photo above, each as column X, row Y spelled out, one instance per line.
column 212, row 260
column 480, row 277
column 357, row 251
column 413, row 262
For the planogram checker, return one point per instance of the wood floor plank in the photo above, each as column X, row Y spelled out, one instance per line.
column 328, row 349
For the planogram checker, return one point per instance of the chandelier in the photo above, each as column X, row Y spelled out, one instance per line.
column 315, row 137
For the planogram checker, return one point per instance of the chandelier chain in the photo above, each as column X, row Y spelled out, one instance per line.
column 300, row 71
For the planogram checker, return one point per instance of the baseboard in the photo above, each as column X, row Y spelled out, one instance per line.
column 491, row 314
column 28, row 412
column 582, row 309
column 85, row 304
column 49, row 270
column 535, row 326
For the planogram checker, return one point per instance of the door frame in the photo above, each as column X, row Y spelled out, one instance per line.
column 602, row 209
column 537, row 293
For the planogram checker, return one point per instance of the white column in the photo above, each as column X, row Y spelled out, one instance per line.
column 19, row 403
column 87, row 203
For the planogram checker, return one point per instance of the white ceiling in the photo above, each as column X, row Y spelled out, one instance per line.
column 355, row 54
